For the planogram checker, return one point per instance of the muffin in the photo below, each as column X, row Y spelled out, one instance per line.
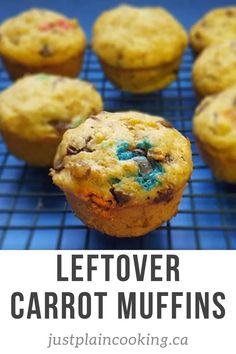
column 122, row 173
column 37, row 109
column 214, row 126
column 215, row 27
column 215, row 69
column 42, row 41
column 140, row 49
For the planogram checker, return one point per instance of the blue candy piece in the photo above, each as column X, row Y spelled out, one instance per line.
column 149, row 180
column 126, row 155
column 147, row 185
column 122, row 146
column 148, row 171
column 144, row 144
column 122, row 151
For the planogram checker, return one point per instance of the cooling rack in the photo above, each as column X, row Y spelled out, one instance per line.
column 34, row 213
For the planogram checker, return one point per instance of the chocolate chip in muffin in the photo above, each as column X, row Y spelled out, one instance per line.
column 87, row 149
column 60, row 126
column 46, row 51
column 139, row 152
column 59, row 166
column 88, row 139
column 230, row 13
column 120, row 57
column 202, row 106
column 121, row 198
column 168, row 159
column 166, row 124
column 198, row 35
column 164, row 196
column 204, row 24
column 94, row 117
column 144, row 164
column 71, row 150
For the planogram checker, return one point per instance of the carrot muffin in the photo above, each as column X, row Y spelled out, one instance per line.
column 123, row 173
column 215, row 69
column 216, row 26
column 42, row 41
column 140, row 49
column 214, row 126
column 37, row 109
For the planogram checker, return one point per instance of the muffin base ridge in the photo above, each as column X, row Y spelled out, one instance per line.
column 130, row 221
column 71, row 67
column 35, row 153
column 142, row 80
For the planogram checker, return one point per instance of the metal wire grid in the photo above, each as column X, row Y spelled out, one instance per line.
column 35, row 215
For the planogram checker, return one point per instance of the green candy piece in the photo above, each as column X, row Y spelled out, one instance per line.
column 43, row 77
column 76, row 122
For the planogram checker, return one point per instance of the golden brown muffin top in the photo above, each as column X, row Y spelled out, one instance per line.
column 131, row 37
column 216, row 26
column 41, row 106
column 215, row 68
column 215, row 121
column 38, row 36
column 123, row 158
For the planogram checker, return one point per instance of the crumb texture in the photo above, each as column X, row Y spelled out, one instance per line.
column 38, row 36
column 43, row 106
column 124, row 158
column 216, row 26
column 130, row 37
column 215, row 68
column 214, row 126
column 215, row 120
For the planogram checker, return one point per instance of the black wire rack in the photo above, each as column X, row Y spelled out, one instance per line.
column 34, row 213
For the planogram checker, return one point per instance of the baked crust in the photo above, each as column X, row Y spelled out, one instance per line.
column 140, row 48
column 129, row 37
column 117, row 168
column 215, row 27
column 41, row 37
column 39, row 40
column 215, row 69
column 214, row 126
column 37, row 109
